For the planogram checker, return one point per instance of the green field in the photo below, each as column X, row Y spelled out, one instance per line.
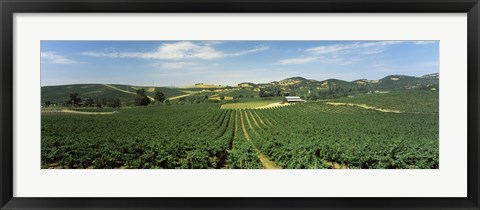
column 303, row 136
column 59, row 94
column 413, row 101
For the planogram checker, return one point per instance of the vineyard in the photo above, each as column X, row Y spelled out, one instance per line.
column 265, row 104
column 412, row 101
column 304, row 136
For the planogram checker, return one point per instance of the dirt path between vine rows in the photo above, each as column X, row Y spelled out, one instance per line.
column 364, row 106
column 126, row 91
column 243, row 128
column 250, row 124
column 264, row 118
column 235, row 124
column 234, row 128
column 273, row 105
column 226, row 118
column 180, row 96
column 266, row 163
column 79, row 112
column 254, row 120
column 260, row 119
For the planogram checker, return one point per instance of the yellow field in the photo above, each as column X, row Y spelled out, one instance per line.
column 205, row 86
column 147, row 89
column 254, row 105
column 218, row 98
column 87, row 111
column 125, row 91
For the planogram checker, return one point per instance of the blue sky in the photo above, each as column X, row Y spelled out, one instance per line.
column 181, row 63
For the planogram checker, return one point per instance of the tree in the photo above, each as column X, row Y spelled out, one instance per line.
column 114, row 103
column 141, row 92
column 261, row 93
column 74, row 99
column 159, row 96
column 98, row 103
column 276, row 92
column 222, row 97
column 141, row 99
column 48, row 103
column 103, row 101
column 89, row 102
column 312, row 96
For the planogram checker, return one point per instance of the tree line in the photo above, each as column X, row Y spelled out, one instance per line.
column 141, row 99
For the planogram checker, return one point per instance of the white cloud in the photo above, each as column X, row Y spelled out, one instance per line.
column 339, row 60
column 53, row 57
column 328, row 49
column 212, row 73
column 373, row 51
column 185, row 65
column 177, row 51
column 380, row 43
column 322, row 59
column 174, row 51
column 297, row 60
column 175, row 65
column 341, row 54
column 181, row 50
column 358, row 47
column 254, row 50
column 425, row 42
column 212, row 42
column 198, row 68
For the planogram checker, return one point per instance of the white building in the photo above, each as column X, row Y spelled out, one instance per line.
column 292, row 99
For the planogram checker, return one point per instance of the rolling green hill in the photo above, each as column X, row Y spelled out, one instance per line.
column 59, row 94
column 290, row 86
column 406, row 82
column 150, row 91
column 410, row 101
column 302, row 86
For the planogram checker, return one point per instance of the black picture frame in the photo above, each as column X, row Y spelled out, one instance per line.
column 9, row 7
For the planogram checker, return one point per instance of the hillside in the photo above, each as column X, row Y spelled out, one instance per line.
column 59, row 94
column 410, row 101
column 300, row 85
column 330, row 88
column 406, row 82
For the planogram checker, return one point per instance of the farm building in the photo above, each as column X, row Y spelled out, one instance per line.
column 292, row 99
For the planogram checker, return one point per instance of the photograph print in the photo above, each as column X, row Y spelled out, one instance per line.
column 193, row 104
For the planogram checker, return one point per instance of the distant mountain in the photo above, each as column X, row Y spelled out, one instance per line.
column 432, row 76
column 291, row 86
column 300, row 85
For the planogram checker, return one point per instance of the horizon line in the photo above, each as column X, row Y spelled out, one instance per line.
column 236, row 85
